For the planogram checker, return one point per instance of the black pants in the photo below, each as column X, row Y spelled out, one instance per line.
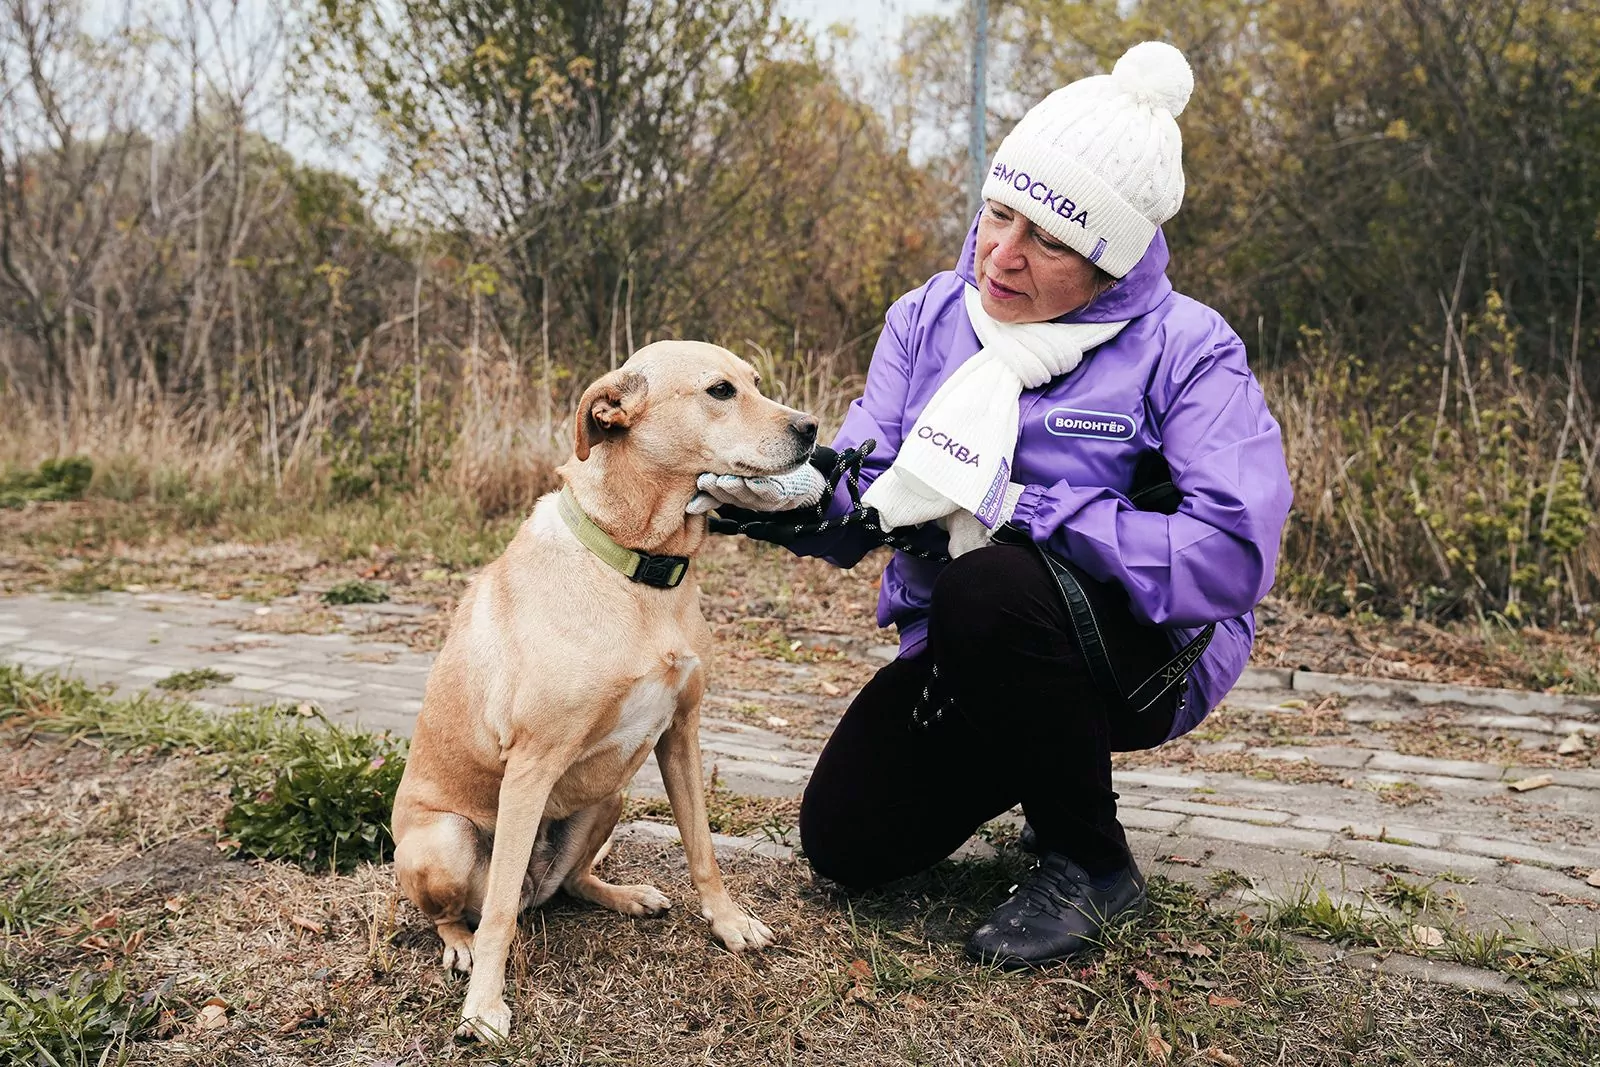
column 1023, row 723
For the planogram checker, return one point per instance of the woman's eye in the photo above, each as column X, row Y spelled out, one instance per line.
column 722, row 390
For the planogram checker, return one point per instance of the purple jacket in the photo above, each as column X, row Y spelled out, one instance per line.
column 1175, row 378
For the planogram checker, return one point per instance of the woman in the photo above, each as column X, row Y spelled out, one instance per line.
column 1024, row 387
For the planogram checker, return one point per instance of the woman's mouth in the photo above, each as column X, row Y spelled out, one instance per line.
column 1001, row 292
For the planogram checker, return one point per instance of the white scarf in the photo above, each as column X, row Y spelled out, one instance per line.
column 958, row 455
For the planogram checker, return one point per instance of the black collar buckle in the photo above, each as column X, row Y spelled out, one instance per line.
column 661, row 572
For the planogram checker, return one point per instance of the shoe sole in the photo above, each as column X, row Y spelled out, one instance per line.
column 1018, row 963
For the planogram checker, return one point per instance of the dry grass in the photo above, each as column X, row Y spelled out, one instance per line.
column 113, row 863
column 328, row 969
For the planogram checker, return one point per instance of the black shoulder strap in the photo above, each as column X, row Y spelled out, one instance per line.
column 1092, row 642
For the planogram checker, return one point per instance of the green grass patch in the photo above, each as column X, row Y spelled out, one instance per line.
column 356, row 591
column 303, row 789
column 87, row 1019
column 191, row 681
column 54, row 479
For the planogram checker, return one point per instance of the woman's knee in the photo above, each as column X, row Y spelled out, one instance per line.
column 834, row 846
column 987, row 595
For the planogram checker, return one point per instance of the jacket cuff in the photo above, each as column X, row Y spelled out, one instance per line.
column 1028, row 502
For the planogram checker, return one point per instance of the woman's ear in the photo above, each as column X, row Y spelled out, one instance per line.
column 608, row 408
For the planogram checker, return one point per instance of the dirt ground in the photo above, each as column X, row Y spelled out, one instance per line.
column 112, row 863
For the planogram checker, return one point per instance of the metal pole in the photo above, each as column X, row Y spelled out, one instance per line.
column 978, row 140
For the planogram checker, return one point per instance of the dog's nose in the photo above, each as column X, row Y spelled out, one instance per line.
column 804, row 427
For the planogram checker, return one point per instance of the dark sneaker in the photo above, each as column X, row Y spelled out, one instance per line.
column 1053, row 913
column 1027, row 840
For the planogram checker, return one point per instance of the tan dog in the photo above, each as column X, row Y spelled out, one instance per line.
column 560, row 673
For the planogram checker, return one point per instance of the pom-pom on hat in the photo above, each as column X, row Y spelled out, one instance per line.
column 1098, row 164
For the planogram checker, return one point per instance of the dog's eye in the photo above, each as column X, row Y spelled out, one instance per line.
column 722, row 390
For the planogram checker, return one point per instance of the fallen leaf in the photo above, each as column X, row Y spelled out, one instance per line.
column 1538, row 781
column 310, row 926
column 831, row 689
column 914, row 1002
column 307, row 1017
column 134, row 940
column 1573, row 745
column 1594, row 878
column 1192, row 949
column 1425, row 936
column 108, row 919
column 1157, row 1045
column 1213, row 1054
column 1217, row 1000
column 213, row 1016
column 306, row 710
column 1187, row 861
column 1242, row 923
column 1565, row 901
column 860, row 972
column 96, row 942
column 1149, row 981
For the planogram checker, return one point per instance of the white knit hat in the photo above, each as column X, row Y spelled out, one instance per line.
column 1098, row 164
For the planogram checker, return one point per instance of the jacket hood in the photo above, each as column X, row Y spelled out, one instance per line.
column 1140, row 291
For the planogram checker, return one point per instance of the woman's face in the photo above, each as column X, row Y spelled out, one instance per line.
column 1024, row 274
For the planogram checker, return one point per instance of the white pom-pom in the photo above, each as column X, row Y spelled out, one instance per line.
column 1156, row 74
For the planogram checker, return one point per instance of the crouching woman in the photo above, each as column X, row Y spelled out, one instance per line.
column 1026, row 392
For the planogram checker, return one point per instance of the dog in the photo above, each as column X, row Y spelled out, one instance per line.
column 560, row 673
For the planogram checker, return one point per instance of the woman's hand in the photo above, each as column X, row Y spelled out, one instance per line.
column 967, row 533
column 798, row 488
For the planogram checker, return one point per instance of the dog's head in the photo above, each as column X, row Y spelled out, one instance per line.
column 678, row 409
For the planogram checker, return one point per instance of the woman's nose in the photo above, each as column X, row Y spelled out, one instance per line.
column 1007, row 253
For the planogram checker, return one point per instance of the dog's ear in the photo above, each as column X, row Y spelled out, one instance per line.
column 608, row 407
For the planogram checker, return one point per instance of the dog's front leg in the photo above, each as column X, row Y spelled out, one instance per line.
column 523, row 793
column 678, row 752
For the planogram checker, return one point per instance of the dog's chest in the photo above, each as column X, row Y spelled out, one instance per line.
column 647, row 709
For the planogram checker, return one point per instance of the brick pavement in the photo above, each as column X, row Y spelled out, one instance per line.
column 1516, row 861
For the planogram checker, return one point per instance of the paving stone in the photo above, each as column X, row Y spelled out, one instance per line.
column 1326, row 755
column 154, row 671
column 1514, row 701
column 1146, row 819
column 1259, row 816
column 1403, row 835
column 1451, row 768
column 255, row 683
column 38, row 659
column 259, row 659
column 1433, row 859
column 42, row 645
column 1551, row 855
column 1158, row 781
column 724, row 843
column 12, row 634
column 308, row 678
column 301, row 691
column 1266, row 678
column 1279, row 837
column 712, row 743
column 1530, row 723
column 772, row 772
column 121, row 655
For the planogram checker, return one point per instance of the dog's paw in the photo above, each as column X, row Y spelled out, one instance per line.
column 489, row 1022
column 739, row 931
column 641, row 900
column 457, row 948
column 458, row 958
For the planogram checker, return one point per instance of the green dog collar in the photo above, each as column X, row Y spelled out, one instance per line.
column 660, row 572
